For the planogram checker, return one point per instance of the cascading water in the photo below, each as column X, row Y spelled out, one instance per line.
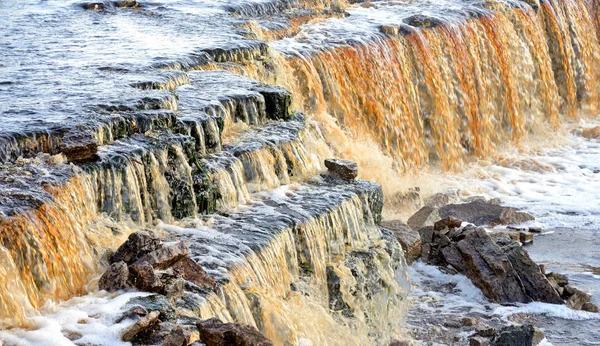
column 395, row 86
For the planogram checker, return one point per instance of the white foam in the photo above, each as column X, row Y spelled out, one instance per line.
column 88, row 320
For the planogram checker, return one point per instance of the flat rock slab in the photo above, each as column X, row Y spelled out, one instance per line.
column 484, row 213
column 342, row 168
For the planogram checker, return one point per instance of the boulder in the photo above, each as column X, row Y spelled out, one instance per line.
column 140, row 325
column 178, row 336
column 213, row 332
column 590, row 307
column 165, row 256
column 576, row 297
column 535, row 283
column 409, row 240
column 448, row 223
column 146, row 279
column 115, row 278
column 190, row 270
column 481, row 213
column 137, row 245
column 79, row 144
column 560, row 279
column 426, row 216
column 94, row 6
column 477, row 340
column 526, row 335
column 422, row 21
column 341, row 168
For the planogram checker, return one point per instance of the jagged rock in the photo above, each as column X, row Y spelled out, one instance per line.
column 137, row 310
column 535, row 283
column 157, row 302
column 473, row 253
column 146, row 279
column 576, row 297
column 140, row 325
column 484, row 213
column 177, row 337
column 441, row 199
column 213, row 332
column 392, row 29
column 426, row 216
column 115, row 278
column 341, row 168
column 188, row 269
column 409, row 239
column 560, row 279
column 165, row 256
column 448, row 223
column 79, row 144
column 172, row 287
column 137, row 245
column 526, row 335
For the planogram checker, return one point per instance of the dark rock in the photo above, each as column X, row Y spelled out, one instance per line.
column 177, row 337
column 135, row 311
column 452, row 324
column 172, row 287
column 157, row 302
column 188, row 269
column 165, row 256
column 426, row 234
column 525, row 238
column 115, row 278
column 536, row 285
column 560, row 279
column 422, row 21
column 336, row 300
column 447, row 223
column 399, row 343
column 146, row 279
column 526, row 335
column 341, row 168
column 127, row 3
column 486, row 332
column 409, row 239
column 94, row 6
column 278, row 101
column 577, row 298
column 479, row 341
column 483, row 213
column 426, row 216
column 79, row 144
column 535, row 229
column 137, row 245
column 468, row 321
column 213, row 332
column 140, row 325
column 392, row 29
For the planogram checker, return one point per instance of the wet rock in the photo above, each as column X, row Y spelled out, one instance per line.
column 79, row 144
column 157, row 302
column 188, row 269
column 140, row 325
column 525, row 238
column 452, row 324
column 135, row 311
column 336, row 299
column 481, row 213
column 146, row 279
column 589, row 307
column 341, row 168
column 94, row 6
column 399, row 343
column 178, row 337
column 560, row 279
column 409, row 239
column 468, row 321
column 535, row 4
column 115, row 278
column 172, row 287
column 410, row 199
column 576, row 297
column 126, row 3
column 479, row 341
column 526, row 335
column 213, row 332
column 426, row 216
column 137, row 245
column 278, row 101
column 165, row 256
column 422, row 21
column 536, row 285
column 441, row 199
column 535, row 229
column 392, row 29
column 448, row 223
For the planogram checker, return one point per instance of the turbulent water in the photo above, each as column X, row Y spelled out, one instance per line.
column 198, row 139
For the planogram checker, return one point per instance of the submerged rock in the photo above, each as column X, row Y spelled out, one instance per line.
column 213, row 332
column 341, row 168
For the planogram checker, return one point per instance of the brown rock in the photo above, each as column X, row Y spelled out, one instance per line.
column 146, row 279
column 140, row 325
column 79, row 144
column 577, row 299
column 479, row 341
column 137, row 245
column 392, row 29
column 115, row 278
column 341, row 168
column 172, row 287
column 560, row 279
column 188, row 269
column 525, row 238
column 177, row 337
column 94, row 6
column 165, row 256
column 447, row 223
column 213, row 332
column 426, row 216
column 409, row 240
column 480, row 212
column 136, row 311
column 468, row 321
column 589, row 307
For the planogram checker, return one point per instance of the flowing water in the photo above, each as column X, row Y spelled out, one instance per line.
column 193, row 150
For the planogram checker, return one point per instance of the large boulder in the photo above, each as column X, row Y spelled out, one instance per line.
column 480, row 212
column 409, row 239
column 213, row 332
column 526, row 335
column 534, row 281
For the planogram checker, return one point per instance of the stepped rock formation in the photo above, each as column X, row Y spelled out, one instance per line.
column 187, row 118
